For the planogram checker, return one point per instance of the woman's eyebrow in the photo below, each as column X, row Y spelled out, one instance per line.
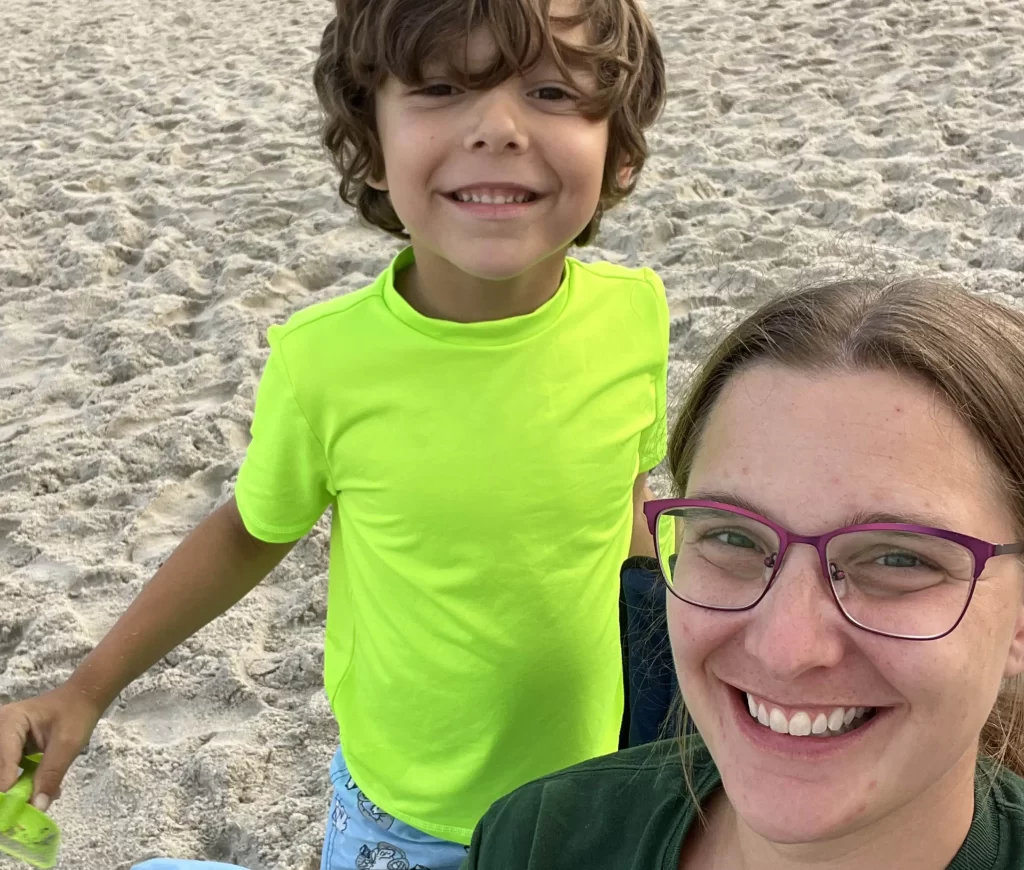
column 913, row 518
column 859, row 518
column 729, row 498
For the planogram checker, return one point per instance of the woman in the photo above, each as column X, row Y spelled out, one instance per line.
column 846, row 607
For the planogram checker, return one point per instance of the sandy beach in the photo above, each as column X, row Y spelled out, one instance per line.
column 163, row 199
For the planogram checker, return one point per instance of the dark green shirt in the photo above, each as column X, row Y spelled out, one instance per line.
column 631, row 811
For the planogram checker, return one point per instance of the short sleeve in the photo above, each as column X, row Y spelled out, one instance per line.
column 654, row 439
column 284, row 484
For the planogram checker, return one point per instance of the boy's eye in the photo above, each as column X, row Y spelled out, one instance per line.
column 438, row 89
column 552, row 93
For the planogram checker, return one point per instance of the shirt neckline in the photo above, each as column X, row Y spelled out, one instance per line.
column 490, row 333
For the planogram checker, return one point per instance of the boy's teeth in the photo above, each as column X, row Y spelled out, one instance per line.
column 800, row 724
column 491, row 198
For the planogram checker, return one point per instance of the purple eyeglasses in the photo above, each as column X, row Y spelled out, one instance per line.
column 898, row 580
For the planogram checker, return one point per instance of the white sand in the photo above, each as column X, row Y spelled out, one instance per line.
column 163, row 199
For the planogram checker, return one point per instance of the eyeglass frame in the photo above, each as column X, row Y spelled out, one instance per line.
column 981, row 550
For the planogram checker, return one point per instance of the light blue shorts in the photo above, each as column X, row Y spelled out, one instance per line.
column 360, row 836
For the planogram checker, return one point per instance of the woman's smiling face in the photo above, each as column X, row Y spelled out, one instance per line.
column 812, row 452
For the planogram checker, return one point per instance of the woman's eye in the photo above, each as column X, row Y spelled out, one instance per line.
column 734, row 539
column 900, row 560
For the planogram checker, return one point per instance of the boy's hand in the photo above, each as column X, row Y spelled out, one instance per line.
column 59, row 724
column 641, row 543
column 215, row 566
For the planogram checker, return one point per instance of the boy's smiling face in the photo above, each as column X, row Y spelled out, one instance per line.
column 493, row 182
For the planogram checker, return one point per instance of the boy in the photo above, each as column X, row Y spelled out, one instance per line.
column 481, row 419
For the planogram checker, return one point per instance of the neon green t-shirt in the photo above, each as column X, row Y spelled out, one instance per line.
column 481, row 478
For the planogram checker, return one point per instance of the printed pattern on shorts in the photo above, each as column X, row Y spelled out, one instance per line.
column 362, row 836
column 384, row 857
column 368, row 808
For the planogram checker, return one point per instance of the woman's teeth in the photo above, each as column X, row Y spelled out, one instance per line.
column 800, row 724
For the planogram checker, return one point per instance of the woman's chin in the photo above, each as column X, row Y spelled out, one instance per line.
column 796, row 800
column 786, row 828
column 785, row 817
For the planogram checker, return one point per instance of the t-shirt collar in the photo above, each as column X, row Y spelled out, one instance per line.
column 492, row 333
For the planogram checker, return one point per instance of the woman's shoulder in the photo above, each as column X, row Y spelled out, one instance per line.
column 1007, row 797
column 636, row 768
column 996, row 837
column 583, row 814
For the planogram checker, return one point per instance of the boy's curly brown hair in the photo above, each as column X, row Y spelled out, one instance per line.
column 368, row 40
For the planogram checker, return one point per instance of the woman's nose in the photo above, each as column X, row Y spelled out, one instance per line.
column 796, row 627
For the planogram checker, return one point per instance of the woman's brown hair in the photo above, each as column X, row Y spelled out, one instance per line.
column 967, row 348
column 368, row 40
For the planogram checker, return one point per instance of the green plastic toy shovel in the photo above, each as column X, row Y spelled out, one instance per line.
column 25, row 832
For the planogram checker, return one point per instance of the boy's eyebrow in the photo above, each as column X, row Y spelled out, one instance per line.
column 580, row 73
column 452, row 62
column 581, row 65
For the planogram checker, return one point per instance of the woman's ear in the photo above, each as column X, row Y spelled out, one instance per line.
column 625, row 176
column 1015, row 660
column 380, row 184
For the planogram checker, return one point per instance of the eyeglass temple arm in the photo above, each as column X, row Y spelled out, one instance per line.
column 1006, row 549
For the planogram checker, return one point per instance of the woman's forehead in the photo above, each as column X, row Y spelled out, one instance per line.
column 846, row 407
column 868, row 440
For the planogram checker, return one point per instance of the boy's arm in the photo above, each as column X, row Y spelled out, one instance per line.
column 641, row 543
column 283, row 487
column 215, row 566
column 212, row 569
column 653, row 440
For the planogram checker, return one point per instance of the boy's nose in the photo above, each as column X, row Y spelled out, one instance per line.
column 497, row 126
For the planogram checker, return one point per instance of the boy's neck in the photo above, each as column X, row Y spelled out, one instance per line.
column 439, row 290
